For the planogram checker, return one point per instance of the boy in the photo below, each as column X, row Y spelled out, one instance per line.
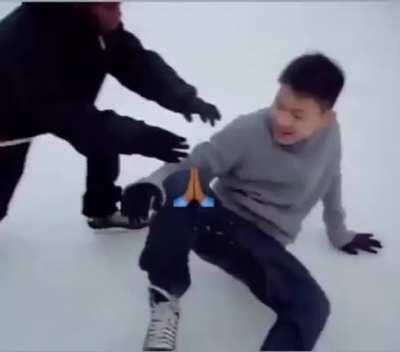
column 272, row 166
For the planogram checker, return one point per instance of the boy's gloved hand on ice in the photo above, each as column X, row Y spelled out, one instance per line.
column 364, row 242
column 208, row 112
column 138, row 200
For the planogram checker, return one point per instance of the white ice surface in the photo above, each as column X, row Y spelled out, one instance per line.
column 64, row 287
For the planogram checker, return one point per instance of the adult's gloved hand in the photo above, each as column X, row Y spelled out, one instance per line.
column 208, row 112
column 138, row 199
column 364, row 242
column 161, row 144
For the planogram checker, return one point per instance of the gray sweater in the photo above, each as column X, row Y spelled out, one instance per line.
column 271, row 185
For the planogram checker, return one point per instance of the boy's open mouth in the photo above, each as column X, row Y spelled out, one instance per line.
column 285, row 134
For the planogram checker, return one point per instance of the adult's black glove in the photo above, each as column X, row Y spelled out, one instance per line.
column 208, row 112
column 137, row 201
column 161, row 144
column 362, row 241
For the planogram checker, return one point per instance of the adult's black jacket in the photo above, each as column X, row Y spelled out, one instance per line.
column 52, row 65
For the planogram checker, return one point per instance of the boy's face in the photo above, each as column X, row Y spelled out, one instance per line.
column 296, row 117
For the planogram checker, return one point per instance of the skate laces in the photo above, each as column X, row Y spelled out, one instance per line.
column 164, row 320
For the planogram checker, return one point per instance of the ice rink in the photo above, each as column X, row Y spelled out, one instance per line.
column 65, row 287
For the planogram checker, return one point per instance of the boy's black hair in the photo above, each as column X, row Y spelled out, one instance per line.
column 315, row 75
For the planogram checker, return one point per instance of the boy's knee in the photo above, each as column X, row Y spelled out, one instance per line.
column 317, row 308
column 325, row 305
column 322, row 308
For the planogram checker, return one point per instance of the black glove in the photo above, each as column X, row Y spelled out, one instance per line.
column 362, row 241
column 208, row 112
column 137, row 201
column 158, row 143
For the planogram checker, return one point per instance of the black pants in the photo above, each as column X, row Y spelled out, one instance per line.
column 101, row 194
column 220, row 237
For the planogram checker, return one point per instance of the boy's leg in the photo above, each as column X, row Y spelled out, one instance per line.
column 165, row 258
column 12, row 162
column 277, row 278
column 101, row 194
column 170, row 240
column 301, row 305
column 166, row 253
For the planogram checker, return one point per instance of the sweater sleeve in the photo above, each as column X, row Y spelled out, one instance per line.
column 216, row 157
column 334, row 214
